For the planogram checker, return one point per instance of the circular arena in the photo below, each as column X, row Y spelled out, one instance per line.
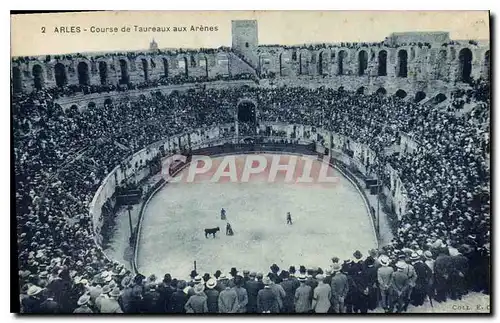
column 172, row 236
column 380, row 153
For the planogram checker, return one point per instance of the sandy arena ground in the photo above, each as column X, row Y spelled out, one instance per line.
column 328, row 220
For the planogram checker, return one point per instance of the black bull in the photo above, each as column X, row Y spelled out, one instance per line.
column 211, row 231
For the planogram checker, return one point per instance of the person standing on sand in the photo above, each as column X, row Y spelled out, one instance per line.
column 288, row 218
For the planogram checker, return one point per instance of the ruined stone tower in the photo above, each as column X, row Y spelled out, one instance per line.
column 245, row 39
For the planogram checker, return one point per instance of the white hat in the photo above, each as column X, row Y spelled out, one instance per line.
column 34, row 290
column 83, row 299
column 211, row 283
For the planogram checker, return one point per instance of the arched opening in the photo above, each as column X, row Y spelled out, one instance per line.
column 246, row 111
column 360, row 90
column 60, row 74
column 401, row 94
column 303, row 65
column 323, row 63
column 362, row 62
column 382, row 63
column 165, row 67
column 124, row 77
column 340, row 62
column 186, row 68
column 103, row 72
column 487, row 69
column 37, row 76
column 402, row 63
column 91, row 105
column 83, row 74
column 419, row 96
column 145, row 71
column 439, row 98
column 108, row 102
column 442, row 64
column 17, row 85
column 381, row 91
column 73, row 107
column 465, row 58
column 204, row 65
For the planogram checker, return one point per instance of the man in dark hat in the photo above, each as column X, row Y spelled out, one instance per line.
column 267, row 300
column 242, row 294
column 370, row 274
column 289, row 288
column 178, row 298
column 165, row 290
column 424, row 275
column 223, row 214
column 49, row 305
column 253, row 286
column 288, row 218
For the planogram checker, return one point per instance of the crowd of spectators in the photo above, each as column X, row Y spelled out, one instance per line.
column 62, row 156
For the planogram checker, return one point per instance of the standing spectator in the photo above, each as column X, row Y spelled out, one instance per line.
column 384, row 277
column 110, row 304
column 31, row 304
column 242, row 294
column 278, row 290
column 370, row 274
column 83, row 307
column 197, row 303
column 443, row 267
column 303, row 296
column 166, row 290
column 289, row 287
column 321, row 296
column 178, row 298
column 49, row 305
column 253, row 286
column 228, row 301
column 424, row 275
column 399, row 287
column 340, row 288
column 212, row 296
column 267, row 300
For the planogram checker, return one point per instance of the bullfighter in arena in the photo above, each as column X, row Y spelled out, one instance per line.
column 222, row 214
column 288, row 218
column 229, row 230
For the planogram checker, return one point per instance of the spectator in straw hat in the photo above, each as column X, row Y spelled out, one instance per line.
column 197, row 303
column 104, row 294
column 212, row 296
column 384, row 277
column 303, row 296
column 31, row 304
column 83, row 307
column 321, row 296
column 267, row 300
column 340, row 287
column 110, row 304
column 399, row 287
column 222, row 282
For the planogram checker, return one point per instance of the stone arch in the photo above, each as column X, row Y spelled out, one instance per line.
column 439, row 98
column 183, row 65
column 402, row 63
column 145, row 69
column 303, row 63
column 247, row 111
column 17, row 82
column 73, row 107
column 412, row 53
column 124, row 76
column 83, row 73
column 341, row 62
column 323, row 63
column 465, row 67
column 362, row 62
column 203, row 63
column 165, row 67
column 360, row 90
column 382, row 63
column 442, row 64
column 419, row 96
column 60, row 74
column 38, row 80
column 103, row 72
column 381, row 91
column 91, row 105
column 401, row 94
column 487, row 66
column 108, row 102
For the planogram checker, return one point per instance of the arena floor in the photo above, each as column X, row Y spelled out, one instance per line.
column 328, row 220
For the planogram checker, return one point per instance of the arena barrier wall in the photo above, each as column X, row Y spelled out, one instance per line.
column 134, row 167
column 266, row 148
